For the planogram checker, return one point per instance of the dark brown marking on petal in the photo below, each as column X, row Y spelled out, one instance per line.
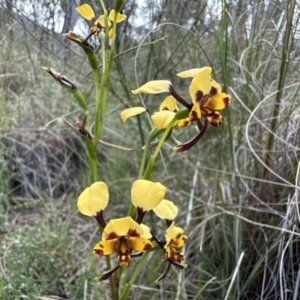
column 99, row 252
column 165, row 108
column 148, row 246
column 205, row 111
column 199, row 96
column 178, row 256
column 213, row 91
column 133, row 233
column 226, row 100
column 124, row 258
column 193, row 116
column 214, row 118
column 111, row 236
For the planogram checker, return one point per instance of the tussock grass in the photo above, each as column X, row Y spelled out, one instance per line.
column 237, row 188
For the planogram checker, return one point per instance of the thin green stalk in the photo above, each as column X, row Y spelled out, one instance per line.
column 101, row 93
column 98, row 105
column 152, row 135
column 92, row 159
column 282, row 74
column 157, row 150
column 134, row 276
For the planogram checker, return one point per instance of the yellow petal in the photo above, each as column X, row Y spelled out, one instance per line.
column 182, row 122
column 217, row 102
column 153, row 87
column 101, row 21
column 130, row 112
column 147, row 194
column 180, row 241
column 169, row 104
column 120, row 17
column 147, row 234
column 172, row 233
column 110, row 33
column 162, row 119
column 166, row 210
column 201, row 84
column 122, row 227
column 93, row 199
column 216, row 85
column 85, row 11
column 190, row 73
column 140, row 244
column 195, row 113
column 106, row 247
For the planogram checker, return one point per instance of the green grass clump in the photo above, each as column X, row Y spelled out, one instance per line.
column 41, row 258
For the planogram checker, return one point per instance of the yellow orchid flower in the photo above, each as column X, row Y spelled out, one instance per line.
column 206, row 95
column 122, row 236
column 174, row 240
column 207, row 98
column 87, row 12
column 207, row 101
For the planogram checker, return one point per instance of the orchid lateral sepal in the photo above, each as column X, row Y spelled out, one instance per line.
column 107, row 274
column 164, row 274
column 186, row 146
column 179, row 98
column 166, row 271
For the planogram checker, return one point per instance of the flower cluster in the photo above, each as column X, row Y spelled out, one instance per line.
column 127, row 237
column 207, row 101
column 98, row 24
column 124, row 235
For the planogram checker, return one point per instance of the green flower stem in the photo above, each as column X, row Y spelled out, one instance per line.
column 112, row 48
column 134, row 276
column 157, row 150
column 92, row 159
column 152, row 135
column 97, row 100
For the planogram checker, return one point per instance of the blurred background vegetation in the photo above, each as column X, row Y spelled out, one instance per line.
column 237, row 189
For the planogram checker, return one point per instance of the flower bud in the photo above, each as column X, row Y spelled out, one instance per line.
column 87, row 47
